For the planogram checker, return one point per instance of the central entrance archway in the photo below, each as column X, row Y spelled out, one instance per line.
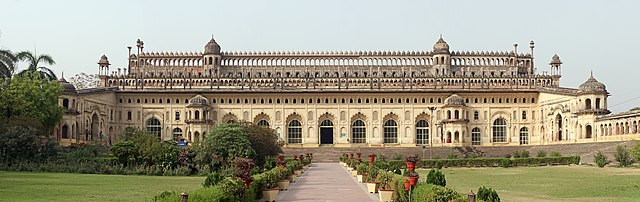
column 326, row 132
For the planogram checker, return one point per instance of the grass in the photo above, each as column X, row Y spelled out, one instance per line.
column 25, row 186
column 557, row 183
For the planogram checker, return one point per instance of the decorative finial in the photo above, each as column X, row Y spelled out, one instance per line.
column 441, row 35
column 591, row 73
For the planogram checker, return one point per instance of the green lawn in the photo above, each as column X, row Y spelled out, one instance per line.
column 25, row 186
column 557, row 183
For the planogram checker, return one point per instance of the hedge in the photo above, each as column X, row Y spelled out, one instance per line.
column 496, row 162
column 430, row 192
column 232, row 188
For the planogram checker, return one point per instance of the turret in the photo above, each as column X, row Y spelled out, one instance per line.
column 211, row 58
column 103, row 73
column 441, row 58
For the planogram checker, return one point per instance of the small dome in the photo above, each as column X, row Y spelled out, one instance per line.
column 441, row 47
column 454, row 100
column 592, row 86
column 68, row 87
column 104, row 60
column 212, row 47
column 555, row 60
column 132, row 56
column 198, row 100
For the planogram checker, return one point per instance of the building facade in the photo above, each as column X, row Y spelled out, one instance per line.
column 345, row 98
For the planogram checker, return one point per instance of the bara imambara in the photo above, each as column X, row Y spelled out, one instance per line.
column 433, row 97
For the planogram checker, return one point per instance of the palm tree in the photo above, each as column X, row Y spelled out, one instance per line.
column 7, row 63
column 34, row 64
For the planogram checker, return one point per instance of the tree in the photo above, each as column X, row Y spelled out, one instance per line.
column 7, row 63
column 33, row 97
column 224, row 144
column 35, row 62
column 263, row 140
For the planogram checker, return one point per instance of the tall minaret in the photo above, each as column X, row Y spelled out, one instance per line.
column 441, row 58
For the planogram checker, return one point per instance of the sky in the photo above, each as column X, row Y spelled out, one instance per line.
column 587, row 35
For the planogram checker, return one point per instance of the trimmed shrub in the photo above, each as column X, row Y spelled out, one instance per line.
column 521, row 154
column 429, row 192
column 436, row 177
column 505, row 163
column 635, row 152
column 600, row 159
column 622, row 156
column 487, row 194
column 541, row 153
column 555, row 154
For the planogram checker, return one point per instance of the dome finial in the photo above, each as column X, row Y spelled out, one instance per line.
column 591, row 73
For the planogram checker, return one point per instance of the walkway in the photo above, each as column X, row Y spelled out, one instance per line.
column 326, row 182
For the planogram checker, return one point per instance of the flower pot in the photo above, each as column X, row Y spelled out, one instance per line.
column 407, row 185
column 372, row 187
column 270, row 195
column 292, row 178
column 361, row 178
column 385, row 195
column 247, row 182
column 305, row 167
column 358, row 155
column 413, row 180
column 354, row 172
column 283, row 184
column 411, row 166
column 298, row 172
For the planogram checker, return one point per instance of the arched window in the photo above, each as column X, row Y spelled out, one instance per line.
column 177, row 115
column 499, row 130
column 589, row 131
column 65, row 103
column 524, row 136
column 587, row 103
column 294, row 132
column 65, row 131
column 128, row 116
column 390, row 131
column 358, row 132
column 263, row 122
column 475, row 136
column 196, row 115
column 476, row 115
column 177, row 133
column 597, row 103
column 153, row 126
column 422, row 132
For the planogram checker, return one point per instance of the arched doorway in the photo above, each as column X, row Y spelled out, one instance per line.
column 588, row 131
column 559, row 122
column 326, row 132
column 95, row 127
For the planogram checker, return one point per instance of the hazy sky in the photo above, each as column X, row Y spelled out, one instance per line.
column 587, row 35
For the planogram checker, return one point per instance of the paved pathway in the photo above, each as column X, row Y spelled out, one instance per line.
column 326, row 182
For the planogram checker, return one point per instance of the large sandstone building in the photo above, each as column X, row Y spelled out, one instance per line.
column 345, row 98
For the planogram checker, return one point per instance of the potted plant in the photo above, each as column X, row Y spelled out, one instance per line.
column 386, row 190
column 411, row 160
column 270, row 192
column 372, row 185
column 361, row 176
column 358, row 155
column 413, row 177
column 372, row 158
column 283, row 184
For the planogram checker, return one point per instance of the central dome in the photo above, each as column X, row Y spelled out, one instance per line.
column 454, row 100
column 212, row 47
column 441, row 47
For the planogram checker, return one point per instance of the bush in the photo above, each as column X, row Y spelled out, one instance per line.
column 487, row 194
column 555, row 154
column 213, row 179
column 622, row 156
column 18, row 143
column 541, row 153
column 635, row 152
column 429, row 192
column 495, row 162
column 600, row 159
column 505, row 163
column 436, row 177
column 452, row 155
column 521, row 154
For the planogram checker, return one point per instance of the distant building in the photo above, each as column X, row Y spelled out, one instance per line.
column 345, row 98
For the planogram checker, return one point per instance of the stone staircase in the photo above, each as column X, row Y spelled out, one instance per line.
column 584, row 150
